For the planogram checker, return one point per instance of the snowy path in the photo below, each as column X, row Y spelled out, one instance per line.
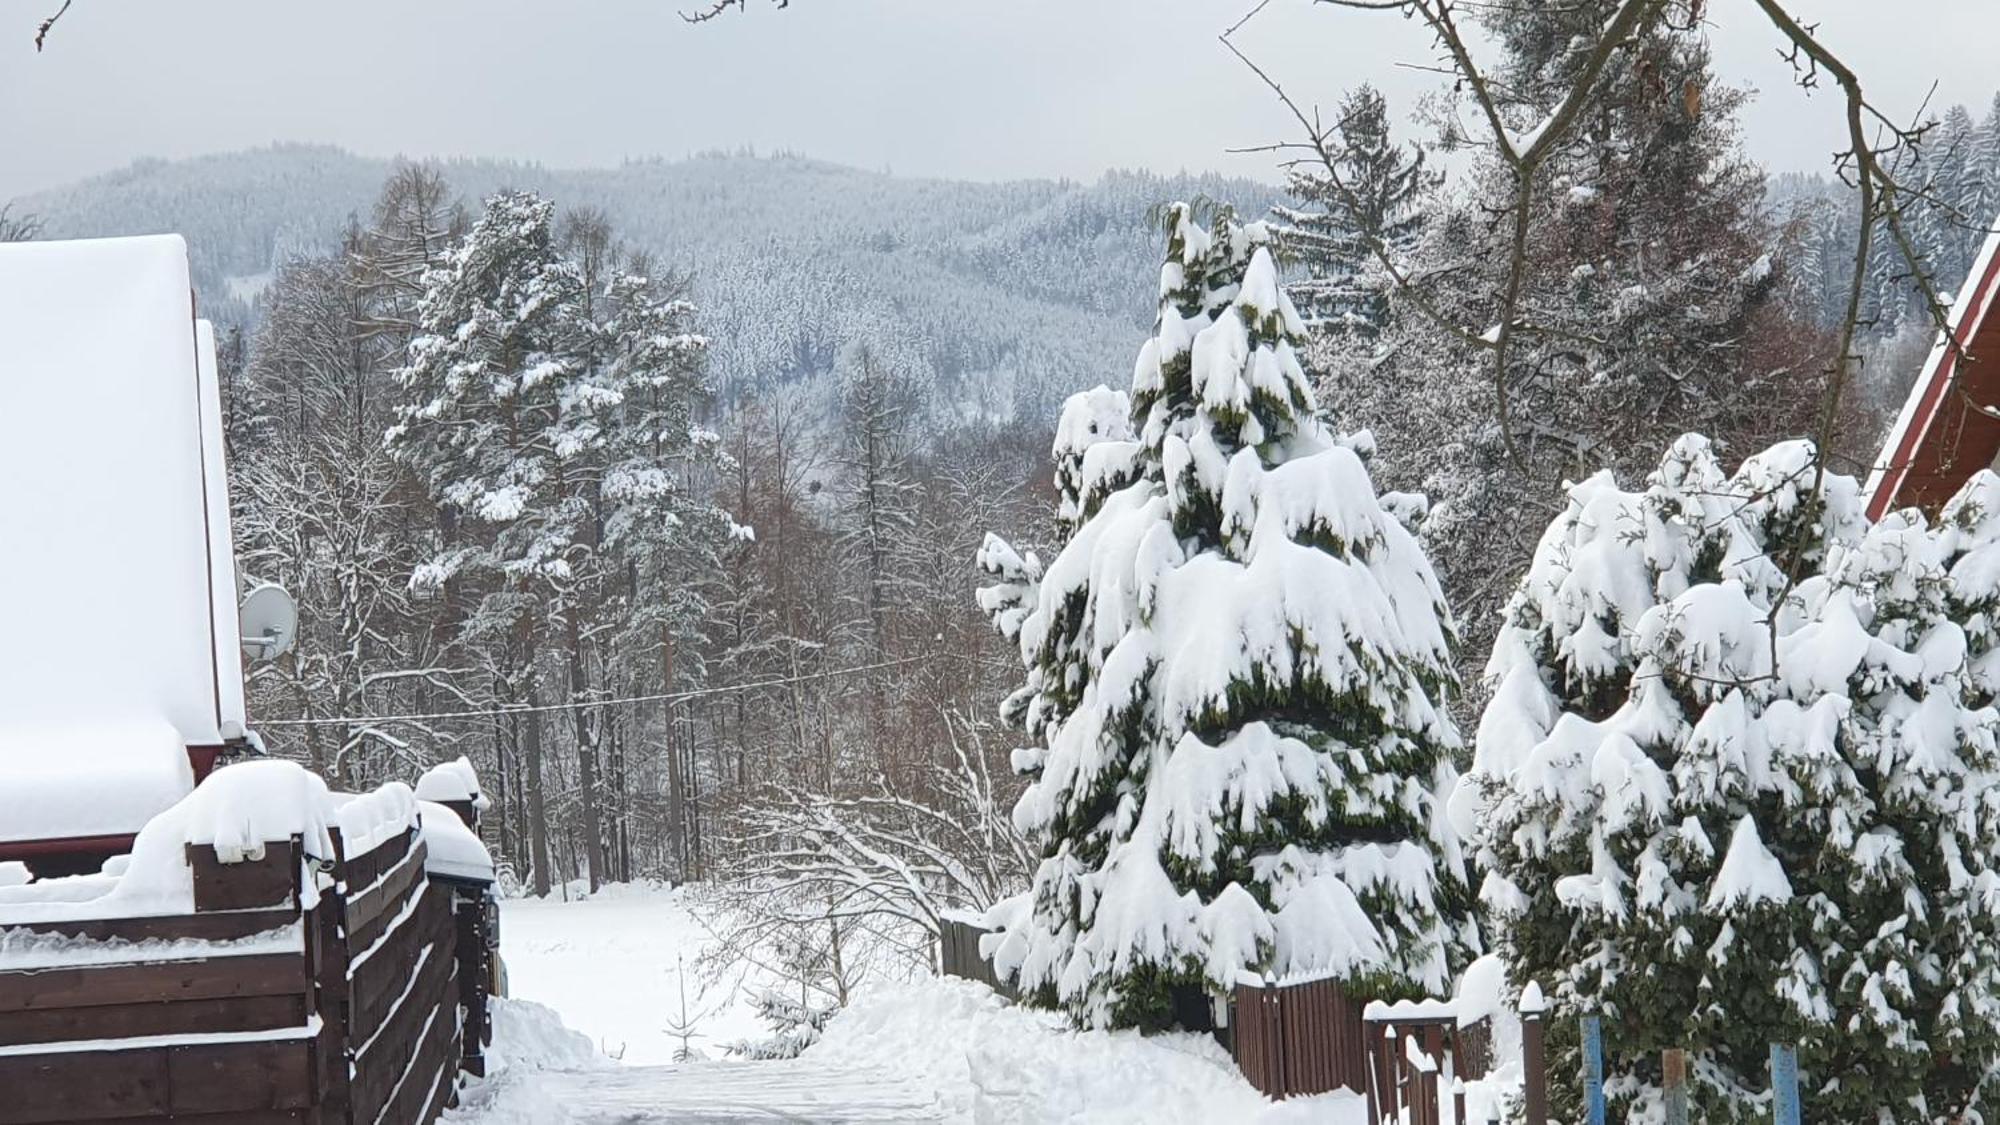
column 721, row 1093
column 948, row 1052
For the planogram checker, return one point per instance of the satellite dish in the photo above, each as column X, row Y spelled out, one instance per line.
column 269, row 619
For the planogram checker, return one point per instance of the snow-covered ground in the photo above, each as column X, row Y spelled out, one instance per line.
column 934, row 1051
column 614, row 965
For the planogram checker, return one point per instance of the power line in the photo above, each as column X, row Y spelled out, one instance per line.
column 585, row 704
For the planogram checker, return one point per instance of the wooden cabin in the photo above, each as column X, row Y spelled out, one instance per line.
column 122, row 663
column 1949, row 428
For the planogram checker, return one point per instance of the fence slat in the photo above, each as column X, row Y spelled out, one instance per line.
column 1785, row 1084
column 1593, row 1069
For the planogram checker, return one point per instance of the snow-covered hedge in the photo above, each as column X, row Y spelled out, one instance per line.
column 1735, row 786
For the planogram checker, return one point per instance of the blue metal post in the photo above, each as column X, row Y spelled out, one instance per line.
column 1593, row 1070
column 1785, row 1084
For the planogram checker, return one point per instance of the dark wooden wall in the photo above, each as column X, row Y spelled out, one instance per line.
column 374, row 1017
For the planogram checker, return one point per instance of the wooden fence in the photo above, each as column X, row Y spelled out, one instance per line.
column 1417, row 1059
column 362, row 1008
column 1293, row 1040
column 958, row 956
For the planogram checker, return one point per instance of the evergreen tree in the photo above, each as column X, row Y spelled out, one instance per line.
column 1987, row 161
column 500, row 414
column 1644, row 309
column 1095, row 456
column 1374, row 197
column 1248, row 656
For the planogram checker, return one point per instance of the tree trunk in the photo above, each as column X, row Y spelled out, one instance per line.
column 586, row 760
column 676, row 782
column 538, row 816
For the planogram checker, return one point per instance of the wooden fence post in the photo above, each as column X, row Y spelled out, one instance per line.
column 1785, row 1084
column 1593, row 1070
column 1673, row 1069
column 1534, row 1056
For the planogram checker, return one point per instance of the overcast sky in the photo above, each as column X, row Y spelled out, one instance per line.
column 967, row 88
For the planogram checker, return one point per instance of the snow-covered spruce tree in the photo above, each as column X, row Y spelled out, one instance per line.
column 1715, row 851
column 1373, row 197
column 1244, row 766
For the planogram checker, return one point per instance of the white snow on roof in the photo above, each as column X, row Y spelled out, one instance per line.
column 133, row 770
column 450, row 848
column 107, row 576
column 455, row 780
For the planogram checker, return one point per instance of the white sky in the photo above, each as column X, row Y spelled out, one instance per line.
column 982, row 89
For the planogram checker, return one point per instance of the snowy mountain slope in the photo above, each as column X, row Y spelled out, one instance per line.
column 1007, row 295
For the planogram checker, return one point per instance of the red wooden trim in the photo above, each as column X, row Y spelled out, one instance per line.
column 202, row 759
column 71, row 845
column 1903, row 456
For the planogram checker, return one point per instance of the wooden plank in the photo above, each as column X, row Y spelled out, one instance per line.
column 83, row 1086
column 255, row 1117
column 326, row 958
column 222, row 926
column 372, row 912
column 360, row 872
column 378, row 1071
column 431, row 1073
column 235, row 1077
column 249, row 885
column 438, row 969
column 433, row 1063
column 128, row 1021
column 217, row 978
column 376, row 983
column 427, row 1013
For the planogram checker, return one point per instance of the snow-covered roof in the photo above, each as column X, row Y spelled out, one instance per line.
column 450, row 848
column 119, row 597
column 135, row 770
column 452, row 781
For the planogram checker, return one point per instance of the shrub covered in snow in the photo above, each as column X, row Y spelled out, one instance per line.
column 1237, row 669
column 1733, row 787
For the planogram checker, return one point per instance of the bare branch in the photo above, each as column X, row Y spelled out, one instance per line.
column 42, row 32
column 716, row 8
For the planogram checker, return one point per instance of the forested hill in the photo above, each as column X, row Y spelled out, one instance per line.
column 1003, row 294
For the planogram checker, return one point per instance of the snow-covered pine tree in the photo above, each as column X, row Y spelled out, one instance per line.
column 1373, row 198
column 502, row 419
column 1249, row 775
column 497, row 396
column 1949, row 219
column 1717, row 846
column 1986, row 160
column 661, row 458
column 1094, row 456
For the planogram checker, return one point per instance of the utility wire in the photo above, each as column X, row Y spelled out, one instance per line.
column 585, row 704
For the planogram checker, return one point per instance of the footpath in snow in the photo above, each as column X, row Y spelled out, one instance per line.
column 944, row 1050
